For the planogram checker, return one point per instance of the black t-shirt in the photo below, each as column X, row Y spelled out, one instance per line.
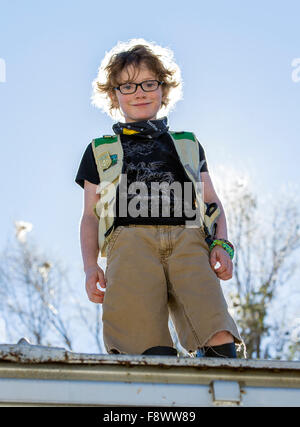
column 148, row 161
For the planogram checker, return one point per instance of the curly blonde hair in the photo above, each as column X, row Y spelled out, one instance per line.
column 135, row 52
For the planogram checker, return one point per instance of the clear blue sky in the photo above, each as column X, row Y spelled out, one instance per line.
column 239, row 96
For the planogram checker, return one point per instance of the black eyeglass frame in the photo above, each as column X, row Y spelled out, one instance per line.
column 139, row 84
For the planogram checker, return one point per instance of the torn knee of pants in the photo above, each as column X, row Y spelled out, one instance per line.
column 225, row 350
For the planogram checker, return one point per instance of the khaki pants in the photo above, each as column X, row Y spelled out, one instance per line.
column 153, row 271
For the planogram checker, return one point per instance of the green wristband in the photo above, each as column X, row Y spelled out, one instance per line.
column 224, row 245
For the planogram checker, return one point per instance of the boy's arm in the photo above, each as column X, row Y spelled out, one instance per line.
column 89, row 245
column 89, row 227
column 217, row 254
column 211, row 196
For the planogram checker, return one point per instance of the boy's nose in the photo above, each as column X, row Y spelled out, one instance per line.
column 139, row 91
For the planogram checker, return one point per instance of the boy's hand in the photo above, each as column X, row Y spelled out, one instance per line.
column 218, row 254
column 93, row 276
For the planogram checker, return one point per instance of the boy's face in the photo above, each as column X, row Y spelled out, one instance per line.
column 139, row 105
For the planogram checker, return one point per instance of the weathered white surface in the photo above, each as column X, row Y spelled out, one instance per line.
column 24, row 352
column 38, row 375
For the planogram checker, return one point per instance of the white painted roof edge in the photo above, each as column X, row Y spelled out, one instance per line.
column 24, row 352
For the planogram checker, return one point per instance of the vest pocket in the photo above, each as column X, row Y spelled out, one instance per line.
column 109, row 175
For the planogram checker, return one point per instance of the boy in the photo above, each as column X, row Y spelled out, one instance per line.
column 157, row 265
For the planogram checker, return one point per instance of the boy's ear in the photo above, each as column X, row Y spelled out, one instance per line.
column 164, row 94
column 114, row 99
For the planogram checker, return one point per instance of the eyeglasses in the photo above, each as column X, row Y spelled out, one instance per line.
column 147, row 86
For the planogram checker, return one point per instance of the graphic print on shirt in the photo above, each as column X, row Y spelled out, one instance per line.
column 160, row 191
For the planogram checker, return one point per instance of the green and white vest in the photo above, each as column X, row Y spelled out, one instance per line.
column 108, row 153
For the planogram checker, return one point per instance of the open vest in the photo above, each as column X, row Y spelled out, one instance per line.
column 108, row 153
